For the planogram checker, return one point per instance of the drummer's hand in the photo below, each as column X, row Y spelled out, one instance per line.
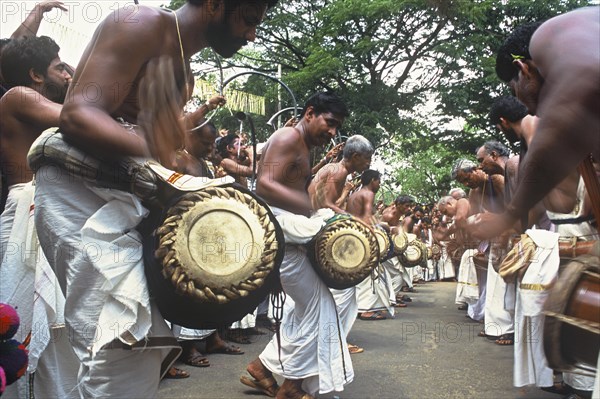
column 489, row 225
column 215, row 102
column 334, row 152
column 349, row 186
column 160, row 112
column 291, row 122
column 45, row 6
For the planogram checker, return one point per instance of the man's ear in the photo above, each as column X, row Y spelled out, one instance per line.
column 524, row 67
column 36, row 77
column 309, row 114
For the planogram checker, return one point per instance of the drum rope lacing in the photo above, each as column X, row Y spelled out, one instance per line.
column 587, row 325
column 172, row 270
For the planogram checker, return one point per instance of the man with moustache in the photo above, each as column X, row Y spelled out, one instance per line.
column 126, row 101
column 552, row 68
column 305, row 356
column 39, row 82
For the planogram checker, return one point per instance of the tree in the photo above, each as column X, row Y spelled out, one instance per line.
column 406, row 68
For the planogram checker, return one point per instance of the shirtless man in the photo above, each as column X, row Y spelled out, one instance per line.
column 553, row 69
column 509, row 115
column 487, row 191
column 39, row 83
column 283, row 175
column 327, row 190
column 360, row 204
column 136, row 68
column 327, row 186
column 394, row 214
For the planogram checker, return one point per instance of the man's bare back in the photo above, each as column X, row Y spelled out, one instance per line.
column 327, row 186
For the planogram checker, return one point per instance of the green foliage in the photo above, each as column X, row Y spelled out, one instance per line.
column 406, row 69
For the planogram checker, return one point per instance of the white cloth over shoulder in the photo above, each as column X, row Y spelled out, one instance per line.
column 299, row 229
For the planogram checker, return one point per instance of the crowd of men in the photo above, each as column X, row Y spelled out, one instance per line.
column 51, row 219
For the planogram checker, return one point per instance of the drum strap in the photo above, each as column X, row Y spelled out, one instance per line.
column 277, row 301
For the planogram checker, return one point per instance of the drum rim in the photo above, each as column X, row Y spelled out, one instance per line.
column 172, row 271
column 557, row 303
column 345, row 280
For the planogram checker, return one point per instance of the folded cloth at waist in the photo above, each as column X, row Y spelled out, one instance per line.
column 138, row 176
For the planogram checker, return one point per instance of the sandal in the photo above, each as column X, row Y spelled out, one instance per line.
column 400, row 304
column 506, row 339
column 196, row 359
column 268, row 385
column 227, row 350
column 371, row 316
column 354, row 349
column 176, row 374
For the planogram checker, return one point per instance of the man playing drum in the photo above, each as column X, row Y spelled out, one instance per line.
column 553, row 69
column 325, row 190
column 88, row 233
column 306, row 355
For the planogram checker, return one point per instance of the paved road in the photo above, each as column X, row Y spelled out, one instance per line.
column 430, row 350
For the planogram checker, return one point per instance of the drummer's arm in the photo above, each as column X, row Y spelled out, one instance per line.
column 236, row 169
column 193, row 119
column 88, row 122
column 277, row 182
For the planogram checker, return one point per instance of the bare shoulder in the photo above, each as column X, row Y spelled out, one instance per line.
column 558, row 40
column 512, row 165
column 22, row 100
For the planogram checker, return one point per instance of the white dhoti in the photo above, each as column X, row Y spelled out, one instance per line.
column 376, row 294
column 7, row 218
column 246, row 322
column 28, row 284
column 347, row 307
column 393, row 266
column 498, row 320
column 445, row 267
column 476, row 310
column 406, row 274
column 88, row 235
column 531, row 366
column 467, row 288
column 313, row 343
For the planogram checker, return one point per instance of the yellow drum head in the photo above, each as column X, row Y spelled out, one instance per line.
column 345, row 252
column 217, row 244
column 400, row 242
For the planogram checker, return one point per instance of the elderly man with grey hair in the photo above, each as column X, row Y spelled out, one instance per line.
column 328, row 188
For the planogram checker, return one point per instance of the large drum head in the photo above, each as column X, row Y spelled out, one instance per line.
column 415, row 253
column 400, row 241
column 218, row 254
column 345, row 252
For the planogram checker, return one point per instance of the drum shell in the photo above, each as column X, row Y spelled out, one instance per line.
column 573, row 344
column 188, row 312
